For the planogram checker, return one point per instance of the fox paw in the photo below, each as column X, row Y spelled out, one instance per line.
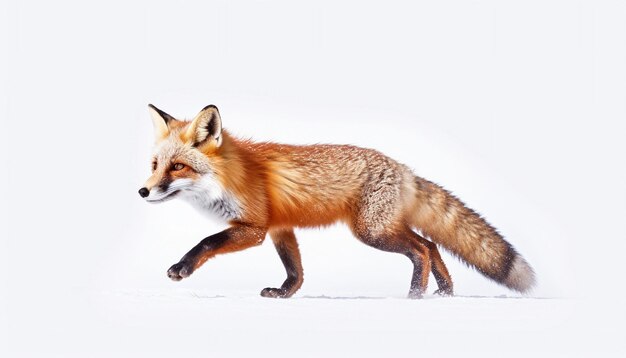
column 275, row 292
column 415, row 294
column 180, row 270
column 444, row 292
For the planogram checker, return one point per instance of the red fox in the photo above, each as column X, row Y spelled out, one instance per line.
column 261, row 188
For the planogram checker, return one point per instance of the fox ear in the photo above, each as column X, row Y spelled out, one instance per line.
column 160, row 120
column 206, row 126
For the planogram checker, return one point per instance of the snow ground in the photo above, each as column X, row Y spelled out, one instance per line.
column 163, row 323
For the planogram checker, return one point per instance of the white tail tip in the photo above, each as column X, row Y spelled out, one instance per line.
column 521, row 276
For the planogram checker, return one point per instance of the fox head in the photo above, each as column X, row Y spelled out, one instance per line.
column 183, row 160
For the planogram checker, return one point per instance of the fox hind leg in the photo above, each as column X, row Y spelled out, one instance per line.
column 287, row 248
column 378, row 221
column 401, row 242
column 439, row 270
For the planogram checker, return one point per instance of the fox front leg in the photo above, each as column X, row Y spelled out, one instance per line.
column 287, row 248
column 235, row 238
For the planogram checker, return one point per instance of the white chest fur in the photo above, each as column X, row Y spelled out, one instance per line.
column 210, row 198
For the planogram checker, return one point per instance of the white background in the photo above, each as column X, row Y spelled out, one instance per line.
column 519, row 108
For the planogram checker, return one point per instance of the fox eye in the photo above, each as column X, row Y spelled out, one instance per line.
column 154, row 165
column 179, row 166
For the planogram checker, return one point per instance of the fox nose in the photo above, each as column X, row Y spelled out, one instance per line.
column 143, row 192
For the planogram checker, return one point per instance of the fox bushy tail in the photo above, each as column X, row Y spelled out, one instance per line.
column 459, row 229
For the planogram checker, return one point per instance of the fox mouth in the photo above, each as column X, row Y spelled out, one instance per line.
column 171, row 191
column 163, row 197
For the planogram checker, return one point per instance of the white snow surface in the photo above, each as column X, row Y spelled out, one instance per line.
column 163, row 323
